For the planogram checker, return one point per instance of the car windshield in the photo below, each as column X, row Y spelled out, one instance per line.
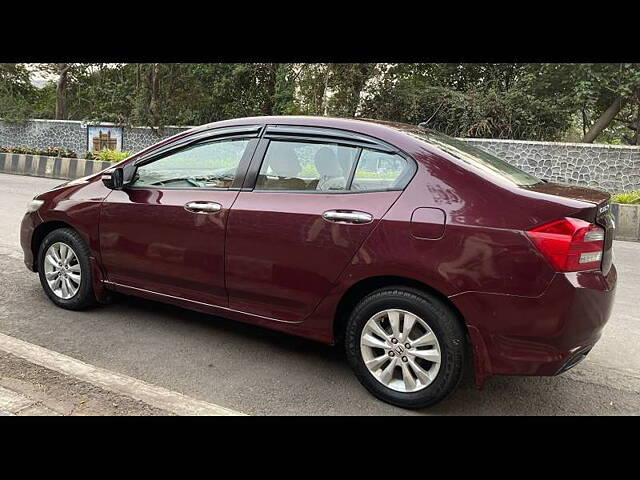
column 475, row 156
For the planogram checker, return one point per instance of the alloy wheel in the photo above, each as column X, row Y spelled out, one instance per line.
column 400, row 350
column 62, row 270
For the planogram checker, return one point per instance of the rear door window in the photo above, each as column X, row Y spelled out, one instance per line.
column 316, row 166
column 381, row 171
column 306, row 166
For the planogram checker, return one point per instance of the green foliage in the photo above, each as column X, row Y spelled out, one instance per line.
column 470, row 100
column 372, row 174
column 501, row 100
column 107, row 155
column 627, row 198
column 17, row 94
column 48, row 151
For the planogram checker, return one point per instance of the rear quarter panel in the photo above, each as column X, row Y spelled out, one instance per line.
column 483, row 247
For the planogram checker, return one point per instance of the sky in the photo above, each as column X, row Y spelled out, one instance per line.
column 39, row 78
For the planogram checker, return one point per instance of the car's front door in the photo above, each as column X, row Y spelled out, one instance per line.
column 290, row 237
column 165, row 232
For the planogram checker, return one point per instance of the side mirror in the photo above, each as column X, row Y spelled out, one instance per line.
column 113, row 178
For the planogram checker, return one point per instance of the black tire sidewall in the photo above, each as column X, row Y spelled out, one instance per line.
column 445, row 325
column 84, row 297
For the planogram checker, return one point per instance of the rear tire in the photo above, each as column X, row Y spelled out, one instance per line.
column 65, row 269
column 431, row 355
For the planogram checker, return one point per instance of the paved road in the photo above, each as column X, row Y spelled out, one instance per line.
column 262, row 372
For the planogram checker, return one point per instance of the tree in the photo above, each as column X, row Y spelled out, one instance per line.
column 61, row 89
column 606, row 90
column 312, row 87
column 347, row 82
column 17, row 94
column 502, row 100
column 478, row 100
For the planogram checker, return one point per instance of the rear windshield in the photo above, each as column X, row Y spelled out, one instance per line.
column 475, row 156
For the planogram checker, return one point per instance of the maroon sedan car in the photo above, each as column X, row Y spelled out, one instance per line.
column 415, row 250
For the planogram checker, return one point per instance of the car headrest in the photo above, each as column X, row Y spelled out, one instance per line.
column 327, row 163
column 284, row 162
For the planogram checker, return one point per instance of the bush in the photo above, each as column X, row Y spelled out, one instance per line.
column 628, row 197
column 108, row 155
column 48, row 151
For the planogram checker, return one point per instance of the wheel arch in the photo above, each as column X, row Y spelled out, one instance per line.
column 42, row 231
column 365, row 286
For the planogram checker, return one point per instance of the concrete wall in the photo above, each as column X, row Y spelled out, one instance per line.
column 612, row 168
column 73, row 135
column 627, row 220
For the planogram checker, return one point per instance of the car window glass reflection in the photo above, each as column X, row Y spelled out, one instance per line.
column 379, row 171
column 306, row 166
column 210, row 165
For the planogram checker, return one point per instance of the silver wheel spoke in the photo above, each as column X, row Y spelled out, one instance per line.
column 421, row 374
column 51, row 260
column 387, row 373
column 63, row 288
column 371, row 341
column 394, row 320
column 378, row 330
column 409, row 322
column 51, row 275
column 425, row 340
column 75, row 277
column 407, row 377
column 382, row 357
column 431, row 355
column 63, row 278
column 377, row 362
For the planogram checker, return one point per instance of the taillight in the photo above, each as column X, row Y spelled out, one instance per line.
column 570, row 244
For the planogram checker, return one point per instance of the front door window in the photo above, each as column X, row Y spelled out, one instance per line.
column 208, row 165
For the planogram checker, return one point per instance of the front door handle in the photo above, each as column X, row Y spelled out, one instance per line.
column 347, row 217
column 203, row 207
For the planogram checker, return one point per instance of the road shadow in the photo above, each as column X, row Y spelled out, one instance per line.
column 500, row 396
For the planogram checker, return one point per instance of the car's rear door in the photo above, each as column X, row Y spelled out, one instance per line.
column 299, row 219
column 165, row 232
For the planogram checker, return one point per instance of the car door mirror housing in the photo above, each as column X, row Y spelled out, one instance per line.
column 113, row 178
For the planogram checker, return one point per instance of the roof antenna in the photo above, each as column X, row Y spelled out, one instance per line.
column 424, row 124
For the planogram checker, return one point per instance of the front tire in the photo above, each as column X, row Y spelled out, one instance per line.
column 65, row 269
column 406, row 347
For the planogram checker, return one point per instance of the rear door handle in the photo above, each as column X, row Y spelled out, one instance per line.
column 203, row 207
column 347, row 217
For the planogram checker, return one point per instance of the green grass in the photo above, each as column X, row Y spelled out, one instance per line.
column 309, row 171
column 627, row 197
column 107, row 155
column 204, row 163
column 369, row 174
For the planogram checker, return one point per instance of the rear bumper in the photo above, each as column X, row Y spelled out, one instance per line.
column 543, row 335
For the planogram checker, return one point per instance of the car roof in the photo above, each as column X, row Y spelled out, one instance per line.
column 392, row 132
column 356, row 124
